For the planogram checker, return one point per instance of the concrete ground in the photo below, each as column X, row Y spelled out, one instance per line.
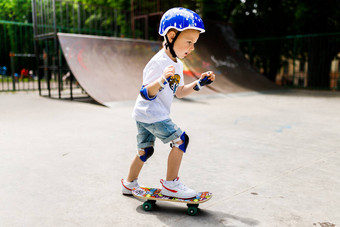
column 270, row 159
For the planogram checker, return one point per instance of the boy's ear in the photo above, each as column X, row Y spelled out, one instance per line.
column 171, row 35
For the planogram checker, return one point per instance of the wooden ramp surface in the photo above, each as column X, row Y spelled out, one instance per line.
column 111, row 69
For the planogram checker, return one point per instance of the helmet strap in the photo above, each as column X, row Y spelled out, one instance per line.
column 171, row 45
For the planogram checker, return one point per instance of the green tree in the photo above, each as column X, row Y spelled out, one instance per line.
column 120, row 13
column 319, row 16
column 16, row 10
column 262, row 18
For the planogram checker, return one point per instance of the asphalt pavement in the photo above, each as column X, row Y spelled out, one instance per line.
column 269, row 158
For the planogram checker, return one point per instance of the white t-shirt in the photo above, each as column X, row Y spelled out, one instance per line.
column 158, row 109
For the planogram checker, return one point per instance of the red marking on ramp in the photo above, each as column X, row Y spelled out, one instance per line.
column 80, row 59
column 189, row 73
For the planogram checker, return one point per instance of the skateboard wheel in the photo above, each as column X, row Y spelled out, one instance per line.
column 147, row 206
column 192, row 211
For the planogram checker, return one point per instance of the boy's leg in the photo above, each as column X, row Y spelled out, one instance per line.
column 131, row 182
column 167, row 131
column 174, row 163
column 145, row 140
column 172, row 186
column 135, row 168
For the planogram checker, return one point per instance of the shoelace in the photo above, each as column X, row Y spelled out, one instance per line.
column 181, row 186
column 178, row 185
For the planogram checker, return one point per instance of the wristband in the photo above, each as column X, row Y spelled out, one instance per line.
column 197, row 86
column 162, row 84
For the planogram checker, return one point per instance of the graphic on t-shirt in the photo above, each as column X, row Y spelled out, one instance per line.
column 174, row 82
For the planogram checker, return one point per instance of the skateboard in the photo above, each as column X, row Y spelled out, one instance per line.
column 151, row 195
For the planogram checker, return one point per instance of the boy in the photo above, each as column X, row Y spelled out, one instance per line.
column 162, row 79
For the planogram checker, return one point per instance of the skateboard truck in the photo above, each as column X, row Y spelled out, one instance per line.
column 192, row 208
column 152, row 195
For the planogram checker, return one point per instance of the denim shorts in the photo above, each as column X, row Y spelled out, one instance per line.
column 165, row 130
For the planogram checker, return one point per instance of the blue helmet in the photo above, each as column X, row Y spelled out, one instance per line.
column 180, row 19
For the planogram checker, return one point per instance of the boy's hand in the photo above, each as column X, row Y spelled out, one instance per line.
column 209, row 74
column 206, row 78
column 168, row 71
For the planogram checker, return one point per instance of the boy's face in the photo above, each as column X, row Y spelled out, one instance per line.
column 185, row 42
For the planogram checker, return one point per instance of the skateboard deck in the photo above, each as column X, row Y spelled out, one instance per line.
column 151, row 195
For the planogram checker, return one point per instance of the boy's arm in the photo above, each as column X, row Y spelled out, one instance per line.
column 154, row 87
column 185, row 90
column 188, row 89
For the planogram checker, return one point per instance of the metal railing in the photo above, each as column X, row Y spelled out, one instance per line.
column 17, row 56
column 53, row 16
column 17, row 49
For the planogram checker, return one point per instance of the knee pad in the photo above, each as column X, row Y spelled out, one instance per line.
column 148, row 153
column 185, row 138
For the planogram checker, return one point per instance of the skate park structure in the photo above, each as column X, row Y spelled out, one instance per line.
column 110, row 69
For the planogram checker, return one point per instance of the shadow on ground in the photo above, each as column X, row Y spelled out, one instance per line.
column 175, row 215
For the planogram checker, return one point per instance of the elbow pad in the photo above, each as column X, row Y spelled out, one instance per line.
column 144, row 93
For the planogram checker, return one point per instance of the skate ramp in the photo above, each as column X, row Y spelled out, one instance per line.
column 111, row 69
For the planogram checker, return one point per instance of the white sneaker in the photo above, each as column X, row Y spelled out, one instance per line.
column 127, row 187
column 176, row 189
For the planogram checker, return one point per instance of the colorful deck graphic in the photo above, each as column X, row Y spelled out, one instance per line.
column 155, row 194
